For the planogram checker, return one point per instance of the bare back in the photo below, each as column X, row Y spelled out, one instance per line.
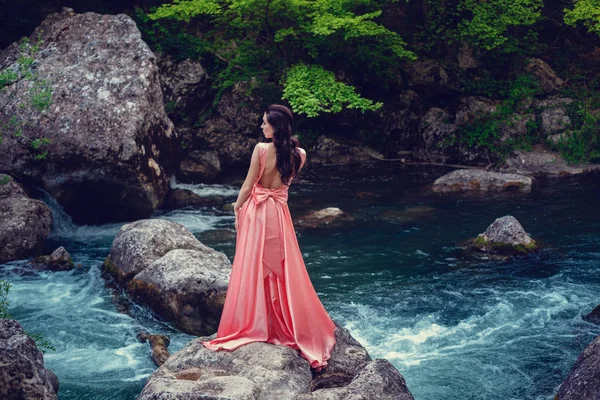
column 271, row 178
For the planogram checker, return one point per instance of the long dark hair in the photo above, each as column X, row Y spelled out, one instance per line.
column 288, row 156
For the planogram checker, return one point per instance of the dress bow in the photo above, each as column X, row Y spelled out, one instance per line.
column 261, row 194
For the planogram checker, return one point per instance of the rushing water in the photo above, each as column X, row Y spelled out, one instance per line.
column 456, row 327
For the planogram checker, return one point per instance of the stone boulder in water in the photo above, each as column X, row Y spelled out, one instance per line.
column 23, row 375
column 24, row 223
column 327, row 217
column 110, row 139
column 480, row 180
column 504, row 236
column 164, row 266
column 269, row 372
column 583, row 382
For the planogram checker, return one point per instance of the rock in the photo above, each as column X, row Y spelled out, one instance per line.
column 187, row 287
column 542, row 161
column 139, row 244
column 398, row 121
column 234, row 129
column 165, row 267
column 24, row 223
column 481, row 180
column 339, row 151
column 109, row 156
column 23, row 375
column 545, row 77
column 330, row 216
column 437, row 135
column 428, row 77
column 504, row 236
column 594, row 316
column 272, row 372
column 516, row 126
column 59, row 260
column 466, row 59
column 159, row 344
column 183, row 198
column 186, row 89
column 558, row 138
column 378, row 380
column 199, row 167
column 583, row 382
column 474, row 108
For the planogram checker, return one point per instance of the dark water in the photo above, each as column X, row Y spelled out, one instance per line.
column 455, row 327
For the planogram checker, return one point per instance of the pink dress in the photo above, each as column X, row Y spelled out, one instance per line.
column 270, row 297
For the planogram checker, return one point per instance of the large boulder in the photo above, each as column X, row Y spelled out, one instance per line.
column 109, row 156
column 429, row 77
column 480, row 180
column 330, row 150
column 545, row 77
column 199, row 166
column 583, row 382
column 269, row 372
column 474, row 108
column 186, row 89
column 164, row 266
column 438, row 131
column 505, row 236
column 59, row 260
column 23, row 375
column 233, row 128
column 542, row 161
column 553, row 114
column 24, row 223
column 326, row 217
column 183, row 198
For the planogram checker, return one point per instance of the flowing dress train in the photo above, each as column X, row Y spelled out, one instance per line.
column 270, row 297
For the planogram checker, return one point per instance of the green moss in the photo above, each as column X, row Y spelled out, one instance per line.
column 111, row 268
column 480, row 241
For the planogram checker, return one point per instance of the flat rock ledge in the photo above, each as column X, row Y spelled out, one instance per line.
column 327, row 217
column 583, row 382
column 24, row 223
column 263, row 371
column 467, row 180
column 542, row 161
column 161, row 264
column 505, row 236
column 22, row 375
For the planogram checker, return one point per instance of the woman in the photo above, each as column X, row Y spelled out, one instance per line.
column 270, row 297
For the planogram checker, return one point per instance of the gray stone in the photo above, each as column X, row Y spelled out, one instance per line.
column 594, row 316
column 554, row 120
column 583, row 382
column 327, row 217
column 262, row 371
column 110, row 139
column 139, row 244
column 505, row 236
column 466, row 59
column 338, row 151
column 480, row 180
column 59, row 260
column 183, row 198
column 200, row 167
column 473, row 108
column 437, row 130
column 187, row 287
column 23, row 376
column 428, row 76
column 186, row 89
column 24, row 223
column 159, row 344
column 545, row 77
column 542, row 161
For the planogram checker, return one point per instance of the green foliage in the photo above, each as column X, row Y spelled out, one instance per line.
column 486, row 131
column 4, row 288
column 310, row 90
column 491, row 19
column 586, row 12
column 261, row 39
column 40, row 342
column 22, row 76
column 581, row 144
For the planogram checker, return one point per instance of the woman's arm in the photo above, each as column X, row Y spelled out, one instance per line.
column 249, row 182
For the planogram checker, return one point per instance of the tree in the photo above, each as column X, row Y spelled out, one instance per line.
column 296, row 43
